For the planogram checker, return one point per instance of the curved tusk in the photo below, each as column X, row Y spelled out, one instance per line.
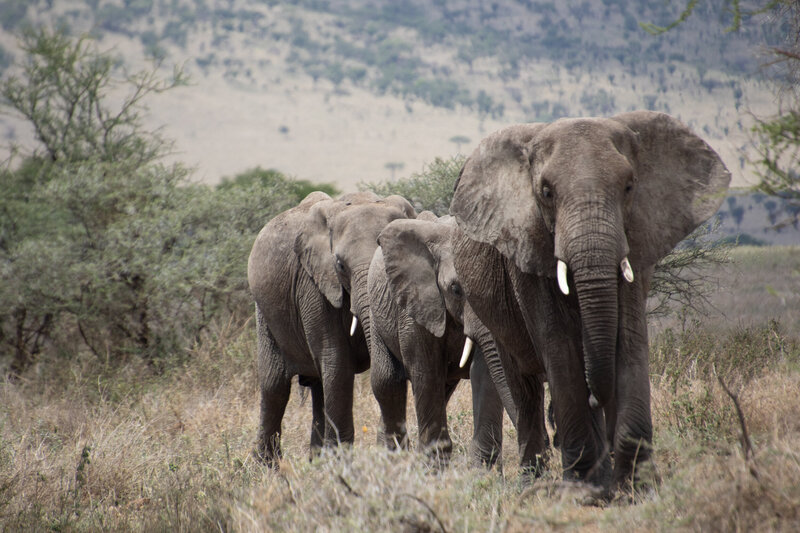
column 353, row 325
column 561, row 274
column 627, row 271
column 465, row 354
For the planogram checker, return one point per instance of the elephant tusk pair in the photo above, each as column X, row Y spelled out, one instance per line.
column 465, row 354
column 561, row 274
column 353, row 325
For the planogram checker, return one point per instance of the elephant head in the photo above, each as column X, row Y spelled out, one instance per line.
column 597, row 200
column 337, row 242
column 420, row 270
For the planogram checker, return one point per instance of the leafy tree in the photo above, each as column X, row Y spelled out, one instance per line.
column 266, row 179
column 431, row 189
column 104, row 248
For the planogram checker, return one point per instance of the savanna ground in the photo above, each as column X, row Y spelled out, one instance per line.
column 86, row 445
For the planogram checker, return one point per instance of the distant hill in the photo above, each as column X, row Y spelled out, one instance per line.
column 757, row 219
column 349, row 91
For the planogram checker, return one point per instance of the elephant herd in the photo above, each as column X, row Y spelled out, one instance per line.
column 543, row 264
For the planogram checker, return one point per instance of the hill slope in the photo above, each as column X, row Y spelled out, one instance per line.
column 349, row 91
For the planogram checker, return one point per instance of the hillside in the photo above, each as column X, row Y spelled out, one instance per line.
column 349, row 91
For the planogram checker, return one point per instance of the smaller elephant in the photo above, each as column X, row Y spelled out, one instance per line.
column 417, row 335
column 305, row 317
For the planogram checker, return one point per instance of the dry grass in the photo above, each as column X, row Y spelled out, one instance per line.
column 89, row 447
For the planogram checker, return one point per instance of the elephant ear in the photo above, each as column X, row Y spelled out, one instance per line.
column 411, row 273
column 313, row 248
column 494, row 200
column 681, row 184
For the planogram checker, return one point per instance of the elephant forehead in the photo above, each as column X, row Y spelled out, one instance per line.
column 364, row 217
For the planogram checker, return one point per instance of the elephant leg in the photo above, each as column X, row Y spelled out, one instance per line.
column 390, row 388
column 337, row 390
column 275, row 387
column 633, row 429
column 532, row 437
column 487, row 415
column 430, row 400
column 318, row 418
column 557, row 338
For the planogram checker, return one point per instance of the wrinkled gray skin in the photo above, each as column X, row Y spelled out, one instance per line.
column 304, row 314
column 589, row 192
column 417, row 335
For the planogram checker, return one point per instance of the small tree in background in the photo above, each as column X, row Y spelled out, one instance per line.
column 431, row 189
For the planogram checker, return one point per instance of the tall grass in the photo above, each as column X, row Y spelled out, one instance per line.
column 86, row 447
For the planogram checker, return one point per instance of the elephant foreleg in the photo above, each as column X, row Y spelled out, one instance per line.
column 390, row 388
column 633, row 428
column 430, row 402
column 338, row 397
column 487, row 415
column 318, row 418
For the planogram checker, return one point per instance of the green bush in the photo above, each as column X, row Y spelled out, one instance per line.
column 431, row 189
column 103, row 247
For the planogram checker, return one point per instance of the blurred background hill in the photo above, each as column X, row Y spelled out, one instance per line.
column 349, row 91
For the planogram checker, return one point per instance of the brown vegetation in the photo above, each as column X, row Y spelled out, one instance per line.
column 91, row 447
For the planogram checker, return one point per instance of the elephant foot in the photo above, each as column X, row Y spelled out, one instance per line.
column 573, row 492
column 534, row 470
column 641, row 485
column 271, row 460
column 394, row 441
column 438, row 452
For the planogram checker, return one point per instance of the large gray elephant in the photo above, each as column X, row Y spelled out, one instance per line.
column 305, row 316
column 559, row 228
column 417, row 335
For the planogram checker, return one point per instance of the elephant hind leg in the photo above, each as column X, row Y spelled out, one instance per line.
column 275, row 388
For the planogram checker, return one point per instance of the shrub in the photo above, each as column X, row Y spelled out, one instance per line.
column 102, row 246
column 431, row 189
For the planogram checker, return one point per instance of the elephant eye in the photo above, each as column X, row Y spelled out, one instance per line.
column 547, row 191
column 339, row 266
column 629, row 187
column 456, row 289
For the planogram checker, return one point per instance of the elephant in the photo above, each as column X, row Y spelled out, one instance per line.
column 559, row 226
column 305, row 318
column 417, row 335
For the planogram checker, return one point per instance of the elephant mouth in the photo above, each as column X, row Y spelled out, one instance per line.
column 562, row 270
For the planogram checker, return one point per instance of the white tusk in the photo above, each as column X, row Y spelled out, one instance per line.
column 561, row 274
column 627, row 271
column 353, row 325
column 465, row 354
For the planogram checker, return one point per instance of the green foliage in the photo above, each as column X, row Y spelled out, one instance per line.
column 266, row 179
column 431, row 189
column 102, row 246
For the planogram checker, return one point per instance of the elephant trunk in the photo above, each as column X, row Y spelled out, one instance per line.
column 593, row 257
column 359, row 300
column 597, row 298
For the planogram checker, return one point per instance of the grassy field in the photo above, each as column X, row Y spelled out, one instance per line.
column 86, row 446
